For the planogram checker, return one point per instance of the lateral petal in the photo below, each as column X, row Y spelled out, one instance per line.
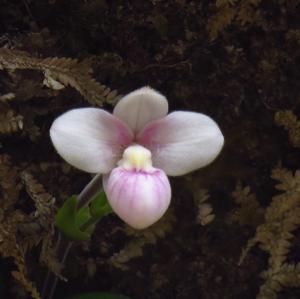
column 182, row 142
column 90, row 139
column 139, row 198
column 140, row 107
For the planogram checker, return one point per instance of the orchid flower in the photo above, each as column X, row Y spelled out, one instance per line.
column 135, row 148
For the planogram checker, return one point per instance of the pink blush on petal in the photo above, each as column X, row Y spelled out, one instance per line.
column 147, row 136
column 125, row 135
column 139, row 198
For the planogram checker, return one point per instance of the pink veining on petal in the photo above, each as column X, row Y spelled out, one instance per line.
column 139, row 198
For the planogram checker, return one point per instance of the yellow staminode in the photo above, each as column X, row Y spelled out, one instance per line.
column 136, row 157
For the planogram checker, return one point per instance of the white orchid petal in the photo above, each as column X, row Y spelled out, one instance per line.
column 139, row 198
column 182, row 142
column 90, row 139
column 140, row 107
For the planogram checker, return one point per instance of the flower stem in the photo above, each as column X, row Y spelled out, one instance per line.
column 89, row 191
column 63, row 245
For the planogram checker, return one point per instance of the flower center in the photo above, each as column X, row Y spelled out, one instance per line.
column 136, row 157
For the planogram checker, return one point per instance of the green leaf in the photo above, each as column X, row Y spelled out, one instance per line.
column 68, row 220
column 78, row 225
column 99, row 296
column 82, row 216
column 99, row 206
column 84, row 221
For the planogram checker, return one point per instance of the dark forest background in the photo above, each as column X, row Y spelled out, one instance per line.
column 233, row 228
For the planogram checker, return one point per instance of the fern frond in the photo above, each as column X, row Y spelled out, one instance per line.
column 10, row 122
column 9, row 181
column 10, row 248
column 249, row 211
column 290, row 122
column 64, row 70
column 288, row 276
column 44, row 202
column 142, row 238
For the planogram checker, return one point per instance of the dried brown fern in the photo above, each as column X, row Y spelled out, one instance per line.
column 204, row 210
column 288, row 276
column 249, row 211
column 60, row 70
column 49, row 258
column 44, row 202
column 293, row 35
column 9, row 184
column 142, row 238
column 275, row 235
column 10, row 248
column 290, row 122
column 220, row 21
column 225, row 3
column 7, row 97
column 249, row 13
column 10, row 222
column 282, row 217
column 205, row 213
column 10, row 122
column 38, row 228
column 231, row 11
